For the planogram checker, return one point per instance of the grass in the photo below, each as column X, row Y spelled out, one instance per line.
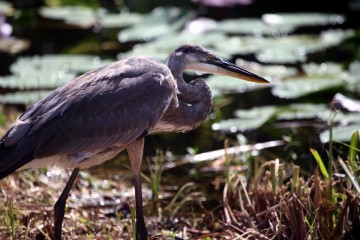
column 274, row 202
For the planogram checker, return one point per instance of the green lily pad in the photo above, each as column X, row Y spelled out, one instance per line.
column 269, row 72
column 247, row 119
column 353, row 105
column 223, row 85
column 76, row 15
column 49, row 71
column 23, row 97
column 161, row 47
column 303, row 19
column 323, row 69
column 120, row 20
column 240, row 45
column 353, row 77
column 340, row 133
column 87, row 17
column 302, row 86
column 251, row 26
column 302, row 111
column 73, row 63
column 295, row 48
column 159, row 22
column 36, row 80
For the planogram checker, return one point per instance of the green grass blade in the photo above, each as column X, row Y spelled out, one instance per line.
column 355, row 144
column 320, row 162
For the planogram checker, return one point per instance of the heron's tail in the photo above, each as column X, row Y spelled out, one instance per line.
column 14, row 157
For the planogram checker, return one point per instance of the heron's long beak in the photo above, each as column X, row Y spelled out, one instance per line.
column 229, row 69
column 220, row 67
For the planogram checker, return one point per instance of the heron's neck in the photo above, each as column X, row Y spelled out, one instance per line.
column 187, row 92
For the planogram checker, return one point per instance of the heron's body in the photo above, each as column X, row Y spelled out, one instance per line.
column 97, row 115
column 67, row 127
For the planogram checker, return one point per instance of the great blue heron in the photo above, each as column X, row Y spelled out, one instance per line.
column 94, row 117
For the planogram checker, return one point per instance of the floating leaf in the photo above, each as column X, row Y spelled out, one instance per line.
column 302, row 86
column 161, row 47
column 49, row 71
column 354, row 77
column 350, row 104
column 119, row 20
column 248, row 120
column 23, row 97
column 74, row 63
column 275, row 72
column 295, row 48
column 36, row 81
column 302, row 111
column 200, row 25
column 340, row 133
column 221, row 84
column 323, row 69
column 87, row 17
column 303, row 19
column 240, row 45
column 76, row 15
column 161, row 21
column 251, row 26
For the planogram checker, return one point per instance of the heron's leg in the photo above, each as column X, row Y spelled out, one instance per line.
column 59, row 207
column 135, row 151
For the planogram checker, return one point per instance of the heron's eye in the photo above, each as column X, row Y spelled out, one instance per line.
column 209, row 57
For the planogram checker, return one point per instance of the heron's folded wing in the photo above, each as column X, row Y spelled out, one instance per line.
column 97, row 111
column 105, row 118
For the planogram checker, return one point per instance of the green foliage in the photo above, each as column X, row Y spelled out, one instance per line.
column 85, row 17
column 320, row 163
column 354, row 150
column 159, row 22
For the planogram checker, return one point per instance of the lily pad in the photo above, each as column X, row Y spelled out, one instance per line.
column 120, row 20
column 161, row 47
column 222, row 85
column 247, row 120
column 86, row 17
column 240, row 45
column 36, row 80
column 303, row 19
column 75, row 15
column 302, row 111
column 23, row 97
column 159, row 22
column 251, row 26
column 49, row 71
column 295, row 48
column 302, row 86
column 340, row 133
column 353, row 105
column 270, row 72
column 323, row 69
column 353, row 77
column 73, row 63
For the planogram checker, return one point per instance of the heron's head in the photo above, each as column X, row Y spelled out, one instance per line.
column 197, row 58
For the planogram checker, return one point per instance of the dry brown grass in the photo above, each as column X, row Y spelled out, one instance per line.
column 298, row 209
column 267, row 207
